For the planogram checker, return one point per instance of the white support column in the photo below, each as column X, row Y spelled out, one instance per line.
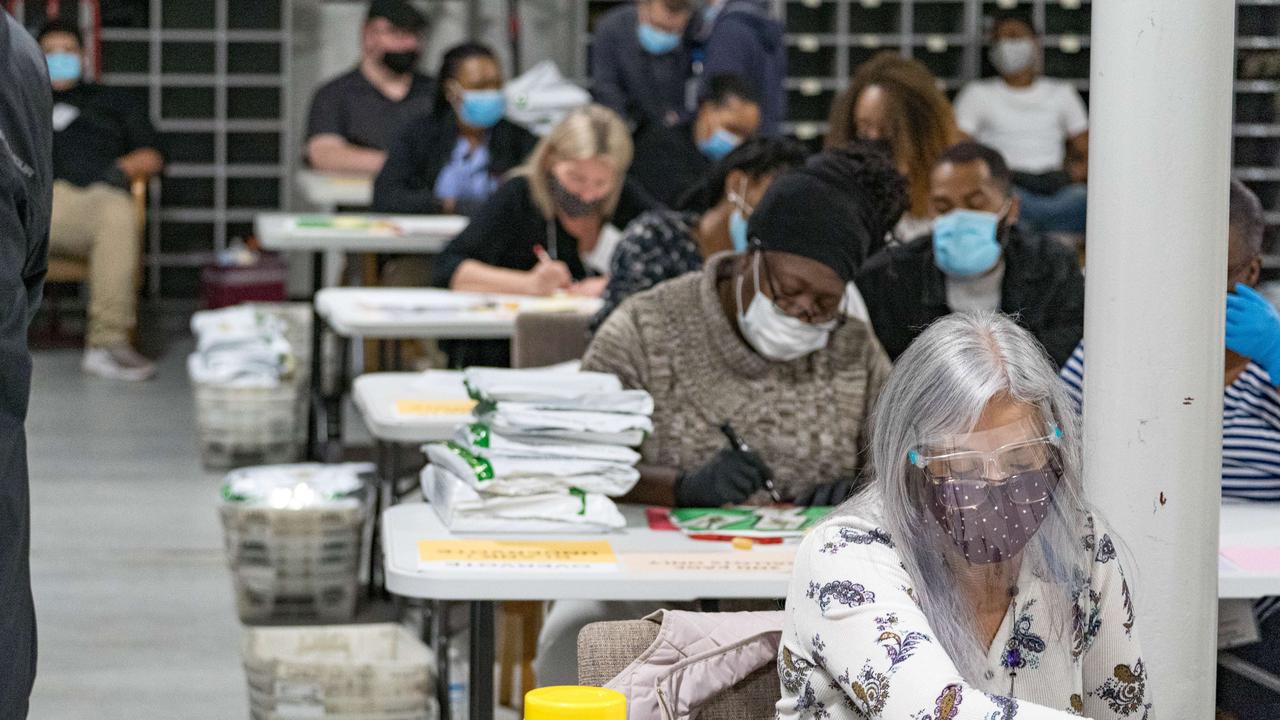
column 1160, row 161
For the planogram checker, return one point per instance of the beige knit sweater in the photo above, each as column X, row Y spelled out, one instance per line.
column 806, row 418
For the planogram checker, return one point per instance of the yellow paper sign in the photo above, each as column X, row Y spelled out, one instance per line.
column 417, row 408
column 563, row 552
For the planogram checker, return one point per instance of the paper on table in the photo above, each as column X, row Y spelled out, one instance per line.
column 321, row 224
column 425, row 408
column 1253, row 559
column 738, row 561
column 541, row 555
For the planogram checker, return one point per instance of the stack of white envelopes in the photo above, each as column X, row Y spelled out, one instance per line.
column 547, row 451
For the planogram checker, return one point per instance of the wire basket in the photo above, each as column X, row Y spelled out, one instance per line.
column 374, row 672
column 294, row 564
column 249, row 426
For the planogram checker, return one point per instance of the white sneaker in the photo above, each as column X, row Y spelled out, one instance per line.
column 118, row 362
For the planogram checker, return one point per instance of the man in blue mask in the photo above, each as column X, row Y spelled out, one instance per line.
column 641, row 61
column 102, row 142
column 977, row 258
column 670, row 161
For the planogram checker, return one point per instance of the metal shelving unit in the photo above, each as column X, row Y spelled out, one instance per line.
column 1256, row 141
column 214, row 76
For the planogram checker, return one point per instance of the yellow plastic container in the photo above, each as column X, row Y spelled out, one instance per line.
column 570, row 702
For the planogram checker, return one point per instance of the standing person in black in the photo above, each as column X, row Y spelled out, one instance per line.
column 354, row 116
column 102, row 142
column 452, row 159
column 552, row 227
column 976, row 259
column 26, row 186
column 671, row 161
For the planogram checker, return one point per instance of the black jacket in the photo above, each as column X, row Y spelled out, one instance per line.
column 26, row 186
column 1043, row 290
column 421, row 149
column 745, row 40
column 668, row 162
column 638, row 86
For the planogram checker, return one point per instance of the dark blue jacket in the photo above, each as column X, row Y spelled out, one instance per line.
column 638, row 86
column 26, row 187
column 746, row 41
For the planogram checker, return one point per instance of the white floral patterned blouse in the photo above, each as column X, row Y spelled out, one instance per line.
column 856, row 644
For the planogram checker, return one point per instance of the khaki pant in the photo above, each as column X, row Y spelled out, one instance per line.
column 97, row 223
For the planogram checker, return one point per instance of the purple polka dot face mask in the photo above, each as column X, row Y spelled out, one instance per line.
column 989, row 491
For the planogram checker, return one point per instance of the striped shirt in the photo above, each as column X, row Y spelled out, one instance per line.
column 1250, row 438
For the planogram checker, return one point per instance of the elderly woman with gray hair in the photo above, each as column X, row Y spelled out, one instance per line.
column 969, row 580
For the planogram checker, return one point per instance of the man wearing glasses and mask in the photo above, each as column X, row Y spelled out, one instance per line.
column 977, row 259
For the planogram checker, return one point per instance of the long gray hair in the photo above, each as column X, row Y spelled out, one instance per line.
column 938, row 388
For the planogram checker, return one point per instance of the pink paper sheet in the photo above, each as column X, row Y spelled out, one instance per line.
column 1253, row 559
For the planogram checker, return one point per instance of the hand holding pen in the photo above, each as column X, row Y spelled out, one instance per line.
column 741, row 446
column 548, row 276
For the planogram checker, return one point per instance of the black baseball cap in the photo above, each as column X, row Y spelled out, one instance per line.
column 397, row 12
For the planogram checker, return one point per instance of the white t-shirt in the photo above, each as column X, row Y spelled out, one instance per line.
column 1029, row 126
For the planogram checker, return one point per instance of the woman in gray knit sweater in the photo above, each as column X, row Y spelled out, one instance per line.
column 759, row 341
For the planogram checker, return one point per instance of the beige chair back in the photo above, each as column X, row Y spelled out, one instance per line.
column 542, row 339
column 607, row 648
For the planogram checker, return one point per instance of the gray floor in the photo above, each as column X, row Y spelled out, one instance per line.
column 135, row 610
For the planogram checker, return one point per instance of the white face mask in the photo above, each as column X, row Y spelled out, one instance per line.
column 1013, row 56
column 774, row 334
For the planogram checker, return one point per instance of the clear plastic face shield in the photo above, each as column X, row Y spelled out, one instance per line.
column 990, row 490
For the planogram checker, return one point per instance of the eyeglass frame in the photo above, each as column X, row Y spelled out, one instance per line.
column 921, row 462
column 784, row 301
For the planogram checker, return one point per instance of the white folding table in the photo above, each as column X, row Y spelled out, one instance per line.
column 379, row 397
column 359, row 232
column 394, row 314
column 321, row 234
column 652, row 565
column 1253, row 525
column 327, row 190
column 434, row 313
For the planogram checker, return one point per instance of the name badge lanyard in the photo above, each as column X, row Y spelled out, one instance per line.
column 553, row 239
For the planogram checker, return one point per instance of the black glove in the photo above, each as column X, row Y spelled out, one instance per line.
column 727, row 479
column 827, row 494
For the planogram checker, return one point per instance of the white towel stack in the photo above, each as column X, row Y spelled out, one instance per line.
column 240, row 347
column 548, row 449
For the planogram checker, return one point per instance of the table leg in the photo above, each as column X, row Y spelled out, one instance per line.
column 482, row 642
column 333, row 405
column 440, row 630
column 317, row 386
column 375, row 519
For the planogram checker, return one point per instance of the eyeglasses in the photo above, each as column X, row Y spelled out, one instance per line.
column 1024, row 470
column 820, row 310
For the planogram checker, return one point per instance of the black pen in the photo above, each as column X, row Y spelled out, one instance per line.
column 741, row 446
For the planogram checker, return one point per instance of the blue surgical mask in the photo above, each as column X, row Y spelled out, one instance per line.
column 738, row 218
column 738, row 230
column 720, row 143
column 482, row 108
column 965, row 242
column 655, row 41
column 63, row 66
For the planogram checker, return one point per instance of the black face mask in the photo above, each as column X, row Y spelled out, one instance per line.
column 570, row 203
column 401, row 62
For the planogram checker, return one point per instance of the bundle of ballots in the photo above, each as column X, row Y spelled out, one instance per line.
column 547, row 450
column 242, row 346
